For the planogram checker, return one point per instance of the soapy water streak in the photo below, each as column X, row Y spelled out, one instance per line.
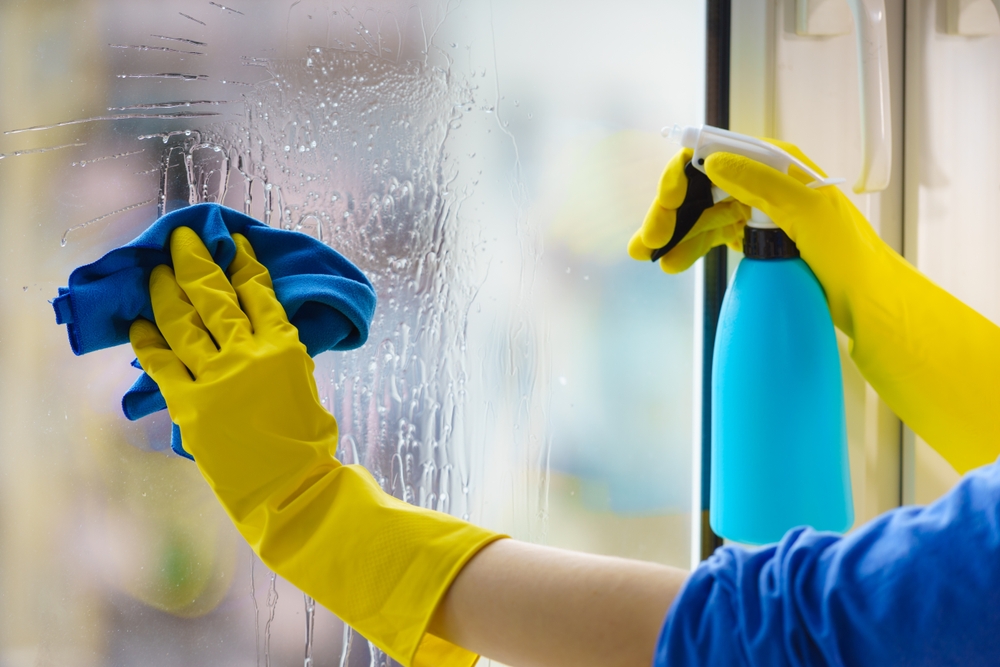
column 164, row 49
column 249, row 61
column 347, row 643
column 170, row 105
column 182, row 115
column 84, row 163
column 33, row 151
column 310, row 605
column 228, row 9
column 272, row 606
column 166, row 75
column 256, row 608
column 192, row 18
column 180, row 39
column 166, row 136
column 82, row 225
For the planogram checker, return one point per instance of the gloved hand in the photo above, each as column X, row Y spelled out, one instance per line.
column 239, row 384
column 932, row 359
column 721, row 224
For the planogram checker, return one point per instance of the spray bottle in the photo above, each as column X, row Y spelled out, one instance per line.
column 779, row 436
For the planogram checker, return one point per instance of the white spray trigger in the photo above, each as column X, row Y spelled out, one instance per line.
column 705, row 140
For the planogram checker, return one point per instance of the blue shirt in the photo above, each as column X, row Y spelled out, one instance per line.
column 916, row 586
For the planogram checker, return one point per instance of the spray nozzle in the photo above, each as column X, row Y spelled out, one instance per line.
column 685, row 136
column 705, row 140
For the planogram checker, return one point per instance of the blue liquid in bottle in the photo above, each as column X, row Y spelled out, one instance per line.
column 779, row 437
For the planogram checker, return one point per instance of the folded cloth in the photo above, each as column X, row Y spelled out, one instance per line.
column 329, row 300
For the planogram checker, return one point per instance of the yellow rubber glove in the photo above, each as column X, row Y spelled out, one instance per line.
column 932, row 359
column 722, row 224
column 240, row 386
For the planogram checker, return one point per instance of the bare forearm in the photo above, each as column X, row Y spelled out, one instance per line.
column 532, row 606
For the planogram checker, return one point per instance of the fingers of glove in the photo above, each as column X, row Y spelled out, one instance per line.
column 650, row 238
column 754, row 184
column 252, row 283
column 658, row 226
column 673, row 182
column 155, row 356
column 207, row 288
column 723, row 214
column 639, row 250
column 179, row 322
column 687, row 252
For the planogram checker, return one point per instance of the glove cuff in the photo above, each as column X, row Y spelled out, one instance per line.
column 380, row 564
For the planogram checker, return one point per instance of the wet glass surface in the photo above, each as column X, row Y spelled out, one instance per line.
column 484, row 163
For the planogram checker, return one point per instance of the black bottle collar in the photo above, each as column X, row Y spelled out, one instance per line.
column 768, row 244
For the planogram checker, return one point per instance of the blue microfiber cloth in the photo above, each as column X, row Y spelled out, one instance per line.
column 326, row 297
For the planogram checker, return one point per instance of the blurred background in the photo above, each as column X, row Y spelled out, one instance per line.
column 485, row 163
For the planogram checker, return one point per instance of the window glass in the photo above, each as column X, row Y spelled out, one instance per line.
column 484, row 163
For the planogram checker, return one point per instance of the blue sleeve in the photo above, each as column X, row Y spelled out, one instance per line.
column 916, row 586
